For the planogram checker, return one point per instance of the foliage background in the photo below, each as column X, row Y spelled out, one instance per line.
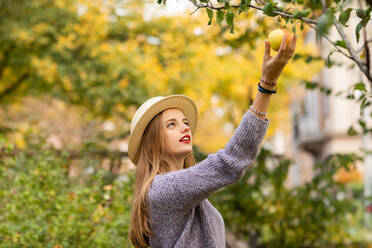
column 72, row 73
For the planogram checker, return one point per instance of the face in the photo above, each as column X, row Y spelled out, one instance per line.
column 177, row 132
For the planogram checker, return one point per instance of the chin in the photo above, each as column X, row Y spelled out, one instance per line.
column 185, row 153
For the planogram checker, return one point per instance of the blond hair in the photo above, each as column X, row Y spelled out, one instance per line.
column 149, row 165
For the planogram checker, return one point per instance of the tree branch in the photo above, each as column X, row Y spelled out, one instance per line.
column 353, row 54
column 4, row 62
column 365, row 44
column 14, row 86
column 284, row 14
column 330, row 41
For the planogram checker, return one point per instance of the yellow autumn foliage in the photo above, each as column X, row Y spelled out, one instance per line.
column 166, row 55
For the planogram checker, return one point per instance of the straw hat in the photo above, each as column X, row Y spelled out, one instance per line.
column 149, row 109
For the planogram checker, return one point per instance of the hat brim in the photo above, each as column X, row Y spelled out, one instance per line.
column 182, row 102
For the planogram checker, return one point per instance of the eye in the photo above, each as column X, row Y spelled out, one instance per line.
column 170, row 124
column 187, row 123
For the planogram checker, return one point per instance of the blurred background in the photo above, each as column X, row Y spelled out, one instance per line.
column 73, row 72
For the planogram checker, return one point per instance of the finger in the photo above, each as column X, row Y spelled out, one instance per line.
column 292, row 46
column 283, row 46
column 267, row 50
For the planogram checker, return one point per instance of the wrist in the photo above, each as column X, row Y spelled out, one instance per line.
column 268, row 85
column 269, row 78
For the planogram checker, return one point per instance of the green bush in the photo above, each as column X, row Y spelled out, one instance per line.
column 41, row 207
column 265, row 213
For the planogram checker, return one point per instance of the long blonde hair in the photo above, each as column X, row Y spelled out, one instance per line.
column 149, row 165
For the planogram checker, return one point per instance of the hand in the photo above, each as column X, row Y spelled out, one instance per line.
column 272, row 67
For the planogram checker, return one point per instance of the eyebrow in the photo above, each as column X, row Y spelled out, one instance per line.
column 175, row 120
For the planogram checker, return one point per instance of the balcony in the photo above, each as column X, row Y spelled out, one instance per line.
column 311, row 137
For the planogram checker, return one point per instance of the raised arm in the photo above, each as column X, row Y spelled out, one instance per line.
column 184, row 189
column 272, row 67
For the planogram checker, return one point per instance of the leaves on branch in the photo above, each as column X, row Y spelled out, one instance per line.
column 325, row 21
column 357, row 30
column 365, row 15
column 230, row 21
column 244, row 5
column 269, row 8
column 360, row 86
column 210, row 15
column 328, row 61
column 344, row 16
column 219, row 17
column 341, row 43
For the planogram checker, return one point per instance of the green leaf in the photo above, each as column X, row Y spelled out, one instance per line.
column 339, row 93
column 311, row 85
column 360, row 86
column 364, row 104
column 210, row 15
column 328, row 61
column 244, row 5
column 302, row 26
column 306, row 12
column 366, row 20
column 269, row 8
column 230, row 18
column 327, row 91
column 297, row 56
column 230, row 21
column 344, row 17
column 361, row 13
column 308, row 59
column 325, row 21
column 357, row 30
column 341, row 43
column 159, row 1
column 351, row 131
column 363, row 124
column 297, row 14
column 219, row 16
column 350, row 96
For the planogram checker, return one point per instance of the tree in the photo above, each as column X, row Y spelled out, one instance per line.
column 317, row 14
column 112, row 70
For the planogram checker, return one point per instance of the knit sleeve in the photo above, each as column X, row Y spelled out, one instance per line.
column 184, row 189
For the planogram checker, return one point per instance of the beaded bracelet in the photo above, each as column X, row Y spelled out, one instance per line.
column 255, row 110
column 265, row 90
column 269, row 83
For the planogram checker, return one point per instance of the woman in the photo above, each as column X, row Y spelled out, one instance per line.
column 170, row 206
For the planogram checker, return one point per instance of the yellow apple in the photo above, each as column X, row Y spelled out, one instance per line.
column 276, row 36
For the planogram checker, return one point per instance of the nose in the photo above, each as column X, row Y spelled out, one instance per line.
column 185, row 129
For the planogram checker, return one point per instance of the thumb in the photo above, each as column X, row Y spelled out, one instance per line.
column 267, row 50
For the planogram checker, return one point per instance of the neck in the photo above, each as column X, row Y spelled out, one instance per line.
column 175, row 163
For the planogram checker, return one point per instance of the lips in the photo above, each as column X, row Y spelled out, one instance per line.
column 186, row 139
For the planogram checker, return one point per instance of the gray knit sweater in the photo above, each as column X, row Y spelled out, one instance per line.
column 178, row 205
